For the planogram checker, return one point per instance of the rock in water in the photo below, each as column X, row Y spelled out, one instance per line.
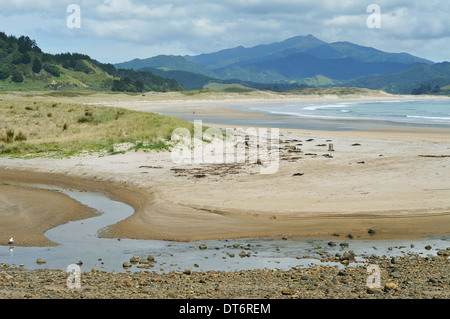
column 127, row 265
column 348, row 255
column 134, row 259
column 443, row 252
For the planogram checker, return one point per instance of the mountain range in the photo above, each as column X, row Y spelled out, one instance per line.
column 297, row 61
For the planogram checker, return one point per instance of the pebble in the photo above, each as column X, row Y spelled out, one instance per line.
column 348, row 255
column 127, row 265
column 443, row 252
column 288, row 292
column 244, row 254
column 413, row 277
column 373, row 290
column 134, row 259
column 390, row 286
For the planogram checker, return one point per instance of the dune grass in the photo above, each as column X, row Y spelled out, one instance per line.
column 45, row 128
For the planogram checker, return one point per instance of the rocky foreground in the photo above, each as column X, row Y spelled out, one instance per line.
column 406, row 277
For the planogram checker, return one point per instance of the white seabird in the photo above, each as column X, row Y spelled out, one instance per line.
column 11, row 241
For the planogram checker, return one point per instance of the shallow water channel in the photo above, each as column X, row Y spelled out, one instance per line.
column 78, row 241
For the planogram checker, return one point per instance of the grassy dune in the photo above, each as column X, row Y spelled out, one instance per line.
column 60, row 123
column 31, row 127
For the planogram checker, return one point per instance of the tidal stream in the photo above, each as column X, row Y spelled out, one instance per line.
column 78, row 242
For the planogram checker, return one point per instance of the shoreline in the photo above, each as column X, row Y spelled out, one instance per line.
column 326, row 226
column 214, row 99
column 236, row 202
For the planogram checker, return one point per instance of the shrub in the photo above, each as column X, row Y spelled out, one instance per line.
column 52, row 69
column 37, row 66
column 17, row 58
column 17, row 76
column 5, row 72
column 26, row 58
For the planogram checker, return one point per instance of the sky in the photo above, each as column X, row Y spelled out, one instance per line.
column 113, row 31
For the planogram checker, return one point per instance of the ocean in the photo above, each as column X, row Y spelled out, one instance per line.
column 327, row 116
column 429, row 113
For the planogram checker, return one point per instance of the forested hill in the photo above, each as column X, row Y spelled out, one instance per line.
column 24, row 66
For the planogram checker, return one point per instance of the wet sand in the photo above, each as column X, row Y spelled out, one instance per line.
column 27, row 213
column 371, row 180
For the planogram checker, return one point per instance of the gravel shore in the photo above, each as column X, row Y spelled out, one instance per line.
column 406, row 277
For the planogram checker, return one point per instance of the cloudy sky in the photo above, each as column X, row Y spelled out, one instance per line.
column 113, row 31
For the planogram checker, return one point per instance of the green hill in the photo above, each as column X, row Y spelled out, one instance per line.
column 166, row 62
column 195, row 81
column 23, row 66
column 405, row 82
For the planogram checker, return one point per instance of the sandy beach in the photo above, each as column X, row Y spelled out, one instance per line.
column 395, row 181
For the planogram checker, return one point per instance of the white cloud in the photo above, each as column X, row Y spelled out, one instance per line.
column 193, row 27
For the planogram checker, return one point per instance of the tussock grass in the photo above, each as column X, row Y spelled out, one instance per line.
column 27, row 130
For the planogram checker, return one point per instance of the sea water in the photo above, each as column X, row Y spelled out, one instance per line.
column 430, row 113
column 330, row 116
